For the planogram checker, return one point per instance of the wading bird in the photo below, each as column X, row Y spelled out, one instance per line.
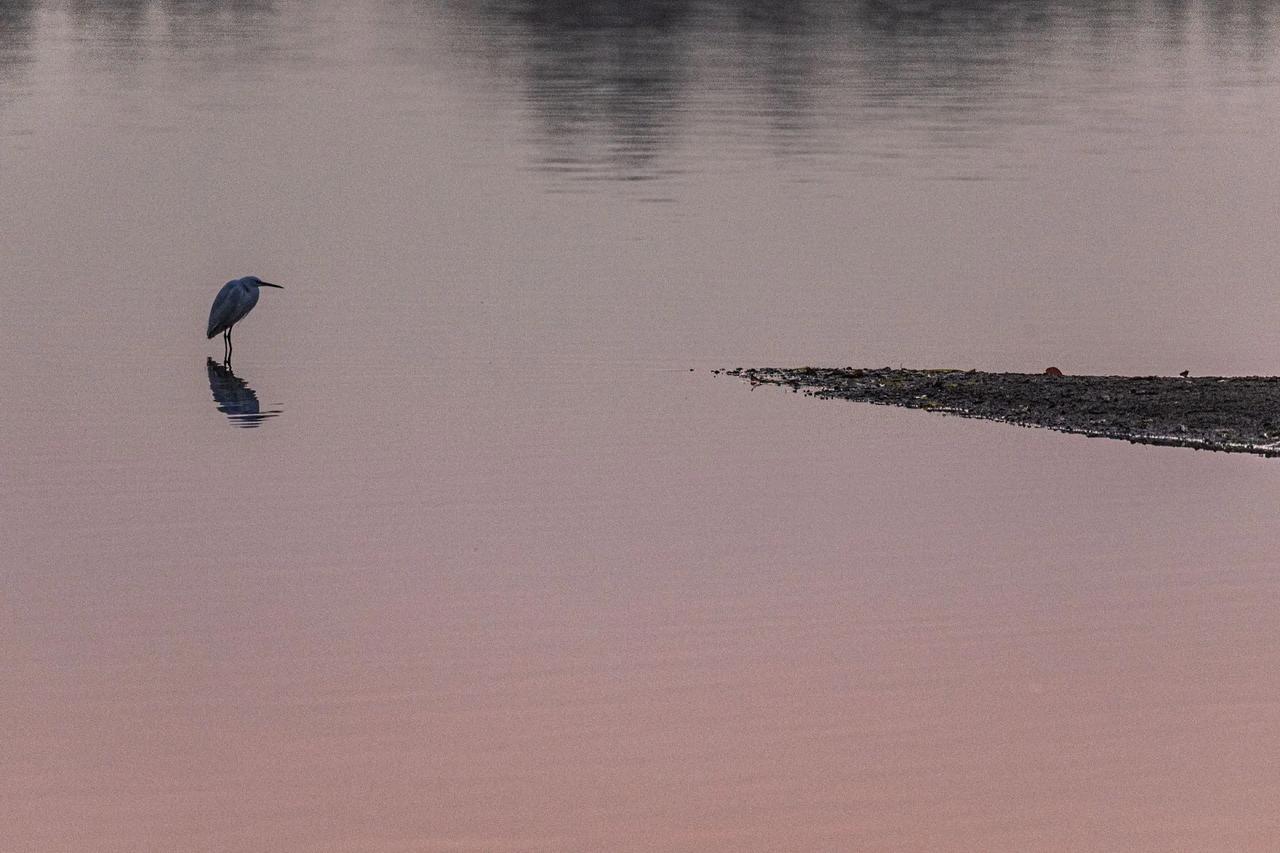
column 235, row 300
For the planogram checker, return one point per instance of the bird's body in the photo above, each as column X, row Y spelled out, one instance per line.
column 236, row 299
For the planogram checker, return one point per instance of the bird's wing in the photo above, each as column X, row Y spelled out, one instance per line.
column 230, row 305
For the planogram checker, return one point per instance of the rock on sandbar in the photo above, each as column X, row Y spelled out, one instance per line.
column 1229, row 413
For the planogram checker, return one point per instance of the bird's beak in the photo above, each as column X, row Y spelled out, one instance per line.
column 269, row 284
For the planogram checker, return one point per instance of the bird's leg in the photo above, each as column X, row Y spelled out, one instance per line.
column 226, row 349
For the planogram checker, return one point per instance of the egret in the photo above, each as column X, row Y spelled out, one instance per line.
column 233, row 302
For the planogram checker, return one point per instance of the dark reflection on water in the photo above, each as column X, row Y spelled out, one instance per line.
column 118, row 24
column 614, row 86
column 606, row 79
column 16, row 33
column 122, row 33
column 235, row 398
column 244, row 27
column 126, row 17
column 618, row 90
column 112, row 40
column 15, row 26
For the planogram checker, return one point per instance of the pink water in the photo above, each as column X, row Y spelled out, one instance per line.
column 503, row 573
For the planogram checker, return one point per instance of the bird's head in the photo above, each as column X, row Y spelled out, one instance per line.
column 257, row 282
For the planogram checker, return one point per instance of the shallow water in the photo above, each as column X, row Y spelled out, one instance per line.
column 495, row 569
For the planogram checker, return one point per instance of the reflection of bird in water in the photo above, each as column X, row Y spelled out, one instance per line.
column 235, row 399
column 236, row 299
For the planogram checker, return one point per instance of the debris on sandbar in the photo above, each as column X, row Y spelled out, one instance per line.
column 1228, row 413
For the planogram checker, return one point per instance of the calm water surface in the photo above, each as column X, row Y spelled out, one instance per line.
column 491, row 568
